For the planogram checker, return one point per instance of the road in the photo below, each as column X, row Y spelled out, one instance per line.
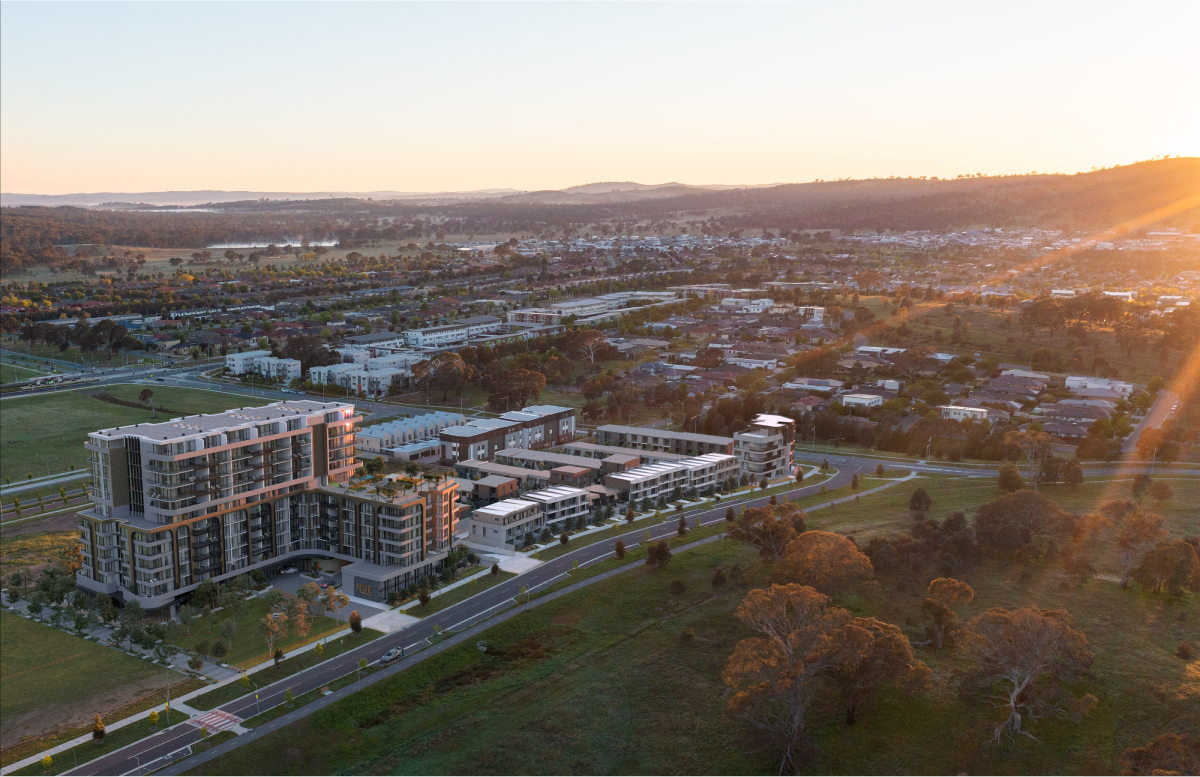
column 460, row 616
column 1162, row 409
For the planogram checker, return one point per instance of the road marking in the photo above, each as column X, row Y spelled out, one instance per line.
column 217, row 720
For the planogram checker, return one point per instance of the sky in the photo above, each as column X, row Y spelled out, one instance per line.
column 309, row 96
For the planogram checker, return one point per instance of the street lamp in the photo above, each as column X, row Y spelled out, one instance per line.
column 43, row 458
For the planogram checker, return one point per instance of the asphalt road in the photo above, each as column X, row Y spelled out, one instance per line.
column 457, row 617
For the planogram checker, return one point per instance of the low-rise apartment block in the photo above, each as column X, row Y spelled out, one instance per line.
column 536, row 426
column 767, row 448
column 662, row 440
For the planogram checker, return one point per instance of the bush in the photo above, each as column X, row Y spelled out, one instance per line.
column 1185, row 651
column 355, row 622
column 219, row 649
column 730, row 515
column 687, row 636
column 423, row 595
column 564, row 539
column 677, row 587
column 878, row 470
column 620, row 549
column 98, row 730
column 718, row 578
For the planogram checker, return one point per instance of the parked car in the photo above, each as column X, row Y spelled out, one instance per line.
column 288, row 571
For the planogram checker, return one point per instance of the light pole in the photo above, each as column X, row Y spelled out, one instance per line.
column 43, row 458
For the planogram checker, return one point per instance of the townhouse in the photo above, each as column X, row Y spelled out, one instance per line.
column 536, row 426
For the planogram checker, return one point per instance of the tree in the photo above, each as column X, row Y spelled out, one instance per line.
column 1037, row 447
column 273, row 629
column 879, row 655
column 827, row 562
column 854, row 483
column 920, row 501
column 302, row 617
column 619, row 550
column 196, row 663
column 730, row 514
column 1011, row 479
column 768, row 529
column 98, row 730
column 148, row 396
column 718, row 578
column 1165, row 754
column 1173, row 564
column 1161, row 491
column 1139, row 534
column 799, row 475
column 1016, row 649
column 1072, row 473
column 423, row 595
column 1141, row 484
column 658, row 555
column 944, row 593
column 772, row 677
column 219, row 649
column 1007, row 527
column 590, row 343
column 228, row 629
column 355, row 621
column 564, row 538
column 334, row 601
column 682, row 528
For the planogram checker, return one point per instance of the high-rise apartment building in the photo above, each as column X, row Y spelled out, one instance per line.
column 214, row 496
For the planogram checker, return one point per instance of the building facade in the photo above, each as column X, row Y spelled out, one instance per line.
column 767, row 448
column 215, row 496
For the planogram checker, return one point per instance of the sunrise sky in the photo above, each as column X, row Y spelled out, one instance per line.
column 453, row 96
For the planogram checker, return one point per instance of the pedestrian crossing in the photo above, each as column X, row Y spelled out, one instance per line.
column 214, row 721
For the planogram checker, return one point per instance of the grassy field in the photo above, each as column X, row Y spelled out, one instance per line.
column 33, row 550
column 600, row 682
column 55, row 425
column 53, row 679
column 10, row 373
column 248, row 647
column 126, row 735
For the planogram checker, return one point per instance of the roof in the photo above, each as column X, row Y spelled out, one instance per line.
column 618, row 429
column 187, row 426
column 505, row 508
column 494, row 481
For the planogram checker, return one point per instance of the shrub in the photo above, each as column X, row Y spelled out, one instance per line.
column 355, row 622
column 423, row 595
column 564, row 539
column 496, row 568
column 677, row 587
column 219, row 649
column 98, row 730
column 1185, row 651
column 730, row 515
column 620, row 549
column 718, row 578
column 687, row 636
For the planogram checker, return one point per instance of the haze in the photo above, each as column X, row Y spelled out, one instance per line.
column 304, row 97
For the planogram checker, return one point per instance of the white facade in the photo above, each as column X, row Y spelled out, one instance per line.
column 957, row 413
column 861, row 400
column 504, row 524
column 457, row 332
column 282, row 369
column 241, row 363
column 561, row 503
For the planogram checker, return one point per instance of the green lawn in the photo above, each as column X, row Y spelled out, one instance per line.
column 249, row 648
column 56, row 425
column 52, row 679
column 10, row 373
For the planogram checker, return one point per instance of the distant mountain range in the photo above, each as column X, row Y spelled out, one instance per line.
column 617, row 191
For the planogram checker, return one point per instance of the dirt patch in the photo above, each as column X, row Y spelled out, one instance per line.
column 60, row 522
column 39, row 722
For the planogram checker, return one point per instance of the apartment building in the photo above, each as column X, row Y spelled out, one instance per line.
column 242, row 363
column 536, row 426
column 505, row 524
column 662, row 440
column 560, row 504
column 274, row 367
column 534, row 459
column 767, row 448
column 214, row 496
column 455, row 333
